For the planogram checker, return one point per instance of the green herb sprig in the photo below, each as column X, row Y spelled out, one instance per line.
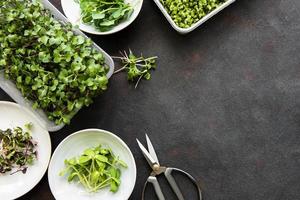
column 104, row 14
column 96, row 168
column 187, row 12
column 17, row 149
column 60, row 72
column 136, row 67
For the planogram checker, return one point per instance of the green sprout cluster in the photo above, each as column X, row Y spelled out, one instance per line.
column 104, row 14
column 59, row 71
column 95, row 169
column 136, row 67
column 187, row 12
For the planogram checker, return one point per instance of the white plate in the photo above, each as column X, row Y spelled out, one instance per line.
column 73, row 146
column 72, row 12
column 16, row 185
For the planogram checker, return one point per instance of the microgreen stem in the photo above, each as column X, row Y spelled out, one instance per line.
column 101, row 185
column 138, row 81
column 119, row 70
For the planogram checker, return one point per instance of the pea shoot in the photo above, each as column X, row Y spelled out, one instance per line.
column 136, row 67
column 95, row 169
column 104, row 14
column 187, row 12
column 17, row 149
column 58, row 71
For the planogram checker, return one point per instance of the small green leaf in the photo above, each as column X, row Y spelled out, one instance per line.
column 72, row 176
column 101, row 158
column 29, row 126
column 80, row 39
column 147, row 76
column 19, row 79
column 71, row 161
column 98, row 15
column 70, row 105
column 117, row 13
column 89, row 152
column 113, row 186
column 84, row 159
column 107, row 23
column 44, row 39
column 95, row 177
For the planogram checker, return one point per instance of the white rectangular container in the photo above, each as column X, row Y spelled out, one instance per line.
column 10, row 88
column 194, row 26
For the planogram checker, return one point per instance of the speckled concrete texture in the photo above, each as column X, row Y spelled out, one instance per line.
column 223, row 104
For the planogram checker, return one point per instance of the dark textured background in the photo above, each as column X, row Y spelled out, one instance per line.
column 223, row 104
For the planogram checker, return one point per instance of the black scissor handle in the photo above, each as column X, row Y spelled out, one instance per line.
column 172, row 182
column 157, row 188
column 174, row 186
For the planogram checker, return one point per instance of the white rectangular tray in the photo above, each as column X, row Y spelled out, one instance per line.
column 10, row 88
column 194, row 26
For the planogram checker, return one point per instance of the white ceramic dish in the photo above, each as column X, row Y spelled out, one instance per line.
column 10, row 88
column 72, row 12
column 16, row 185
column 197, row 24
column 73, row 146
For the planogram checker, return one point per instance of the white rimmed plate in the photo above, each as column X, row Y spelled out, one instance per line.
column 73, row 146
column 72, row 12
column 16, row 185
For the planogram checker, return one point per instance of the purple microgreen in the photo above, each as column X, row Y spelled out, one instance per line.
column 17, row 150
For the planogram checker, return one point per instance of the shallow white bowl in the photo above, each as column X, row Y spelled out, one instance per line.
column 72, row 12
column 194, row 26
column 16, row 185
column 73, row 146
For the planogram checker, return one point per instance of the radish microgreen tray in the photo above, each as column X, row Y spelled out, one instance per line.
column 59, row 71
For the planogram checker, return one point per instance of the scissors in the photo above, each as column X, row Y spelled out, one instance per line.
column 151, row 157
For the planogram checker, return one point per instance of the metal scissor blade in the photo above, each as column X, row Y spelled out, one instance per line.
column 146, row 154
column 151, row 149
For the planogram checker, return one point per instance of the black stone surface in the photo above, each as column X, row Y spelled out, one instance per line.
column 223, row 103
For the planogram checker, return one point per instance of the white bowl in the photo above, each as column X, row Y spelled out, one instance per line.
column 72, row 12
column 194, row 26
column 16, row 185
column 73, row 146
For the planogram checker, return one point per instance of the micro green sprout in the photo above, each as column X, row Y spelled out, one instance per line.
column 17, row 149
column 187, row 12
column 95, row 169
column 136, row 67
column 104, row 14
